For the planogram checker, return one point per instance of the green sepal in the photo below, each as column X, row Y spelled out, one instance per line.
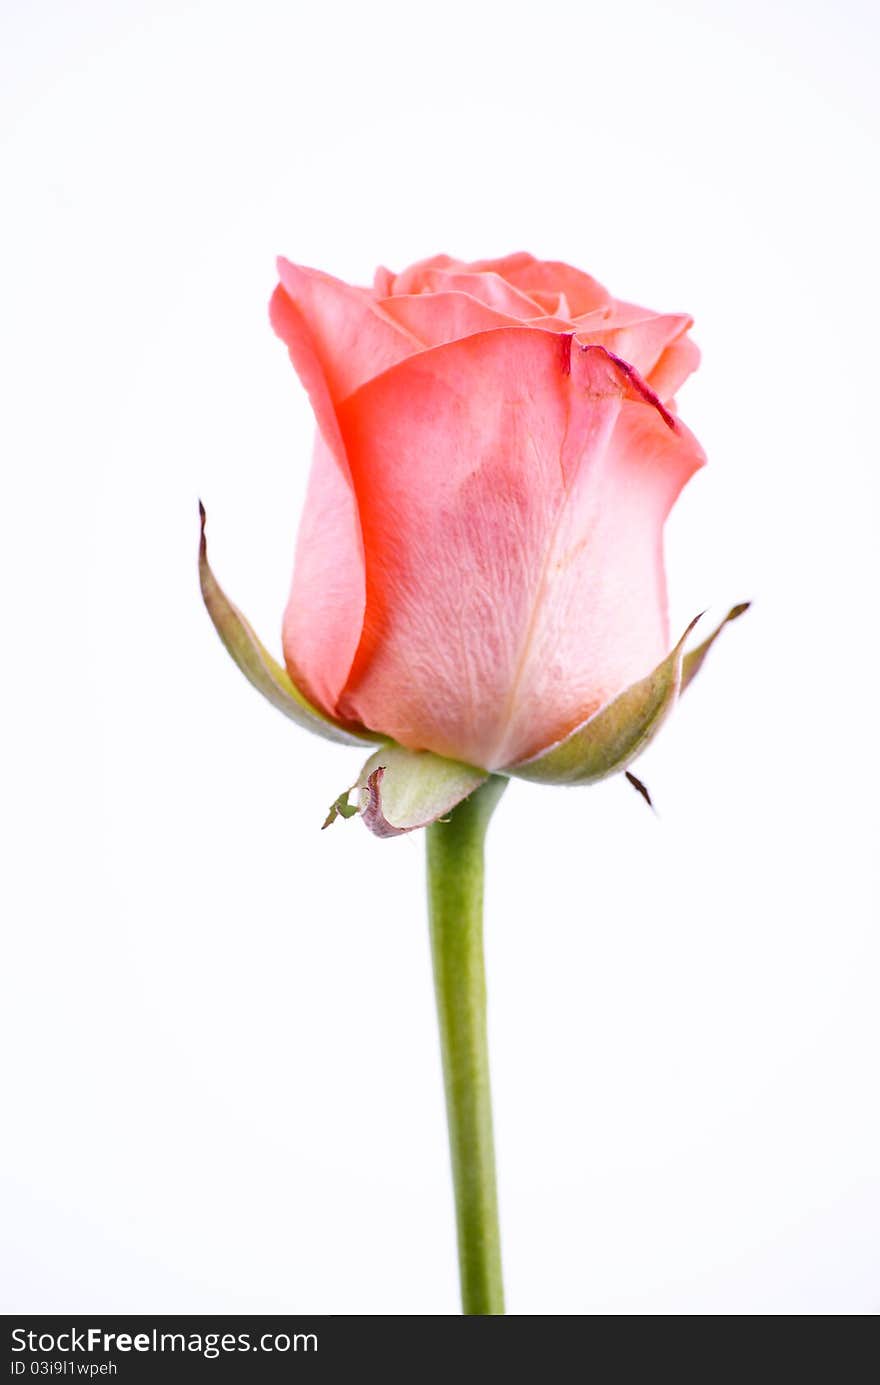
column 611, row 739
column 693, row 660
column 402, row 790
column 340, row 808
column 257, row 664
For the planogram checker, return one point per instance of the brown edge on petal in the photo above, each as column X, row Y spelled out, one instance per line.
column 372, row 813
column 640, row 388
column 638, row 384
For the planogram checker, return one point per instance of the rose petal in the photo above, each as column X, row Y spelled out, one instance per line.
column 350, row 335
column 550, row 324
column 583, row 293
column 553, row 304
column 489, row 288
column 652, row 342
column 324, row 616
column 512, row 489
column 412, row 279
column 257, row 664
column 505, row 265
column 325, row 613
column 435, row 318
column 679, row 360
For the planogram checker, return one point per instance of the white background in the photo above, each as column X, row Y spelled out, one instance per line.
column 220, row 1065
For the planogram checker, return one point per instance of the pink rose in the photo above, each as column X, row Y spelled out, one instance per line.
column 479, row 568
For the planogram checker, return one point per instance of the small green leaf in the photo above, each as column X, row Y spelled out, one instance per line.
column 401, row 790
column 693, row 661
column 611, row 739
column 340, row 808
column 257, row 664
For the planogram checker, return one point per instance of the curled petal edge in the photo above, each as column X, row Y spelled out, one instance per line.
column 257, row 664
column 402, row 790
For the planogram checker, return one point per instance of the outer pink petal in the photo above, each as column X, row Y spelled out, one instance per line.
column 325, row 614
column 603, row 623
column 512, row 491
column 678, row 361
column 643, row 339
column 351, row 337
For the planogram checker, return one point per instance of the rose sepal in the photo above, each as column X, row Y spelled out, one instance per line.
column 612, row 738
column 400, row 790
column 257, row 664
column 694, row 658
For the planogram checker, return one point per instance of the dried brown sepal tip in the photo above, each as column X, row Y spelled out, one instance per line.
column 640, row 788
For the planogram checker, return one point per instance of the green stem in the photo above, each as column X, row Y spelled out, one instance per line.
column 455, row 900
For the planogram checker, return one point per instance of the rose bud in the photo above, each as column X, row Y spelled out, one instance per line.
column 479, row 580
